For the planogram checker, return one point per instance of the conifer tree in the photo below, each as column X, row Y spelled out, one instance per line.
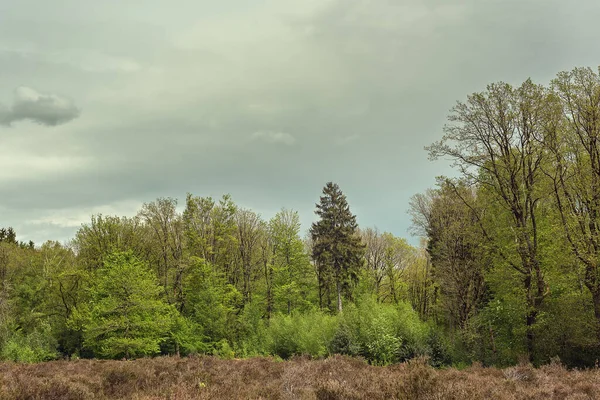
column 337, row 249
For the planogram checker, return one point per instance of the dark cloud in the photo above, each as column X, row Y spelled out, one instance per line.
column 44, row 109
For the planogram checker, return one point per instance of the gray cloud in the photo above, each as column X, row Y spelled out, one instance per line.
column 274, row 137
column 201, row 98
column 44, row 109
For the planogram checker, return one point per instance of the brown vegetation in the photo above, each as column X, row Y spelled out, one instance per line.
column 263, row 378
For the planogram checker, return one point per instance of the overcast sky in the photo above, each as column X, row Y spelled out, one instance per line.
column 105, row 105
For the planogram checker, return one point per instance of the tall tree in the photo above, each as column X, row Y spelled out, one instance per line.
column 455, row 247
column 166, row 246
column 292, row 275
column 494, row 140
column 337, row 248
column 105, row 234
column 397, row 257
column 386, row 259
column 575, row 172
column 250, row 230
column 127, row 317
column 8, row 235
column 375, row 249
column 210, row 229
column 421, row 288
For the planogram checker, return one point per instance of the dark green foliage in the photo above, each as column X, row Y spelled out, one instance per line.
column 38, row 345
column 336, row 247
column 8, row 235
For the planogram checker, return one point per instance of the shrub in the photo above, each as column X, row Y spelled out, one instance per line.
column 337, row 377
column 34, row 347
column 301, row 334
column 381, row 333
column 419, row 380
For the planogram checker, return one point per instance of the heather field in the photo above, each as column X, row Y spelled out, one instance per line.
column 264, row 378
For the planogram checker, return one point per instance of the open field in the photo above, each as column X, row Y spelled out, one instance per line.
column 262, row 378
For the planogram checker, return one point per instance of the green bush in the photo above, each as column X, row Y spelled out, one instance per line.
column 35, row 347
column 300, row 334
column 381, row 333
column 439, row 348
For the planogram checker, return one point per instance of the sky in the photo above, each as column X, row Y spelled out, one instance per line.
column 105, row 105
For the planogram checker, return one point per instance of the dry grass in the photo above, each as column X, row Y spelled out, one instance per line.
column 263, row 378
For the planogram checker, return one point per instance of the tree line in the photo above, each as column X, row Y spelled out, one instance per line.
column 514, row 239
column 211, row 279
column 508, row 268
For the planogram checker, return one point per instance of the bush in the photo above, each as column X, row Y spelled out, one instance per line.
column 301, row 334
column 34, row 347
column 438, row 348
column 381, row 333
column 223, row 350
column 420, row 379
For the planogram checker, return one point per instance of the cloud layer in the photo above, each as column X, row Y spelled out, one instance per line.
column 266, row 100
column 44, row 109
column 274, row 137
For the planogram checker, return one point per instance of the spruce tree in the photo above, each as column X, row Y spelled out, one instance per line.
column 337, row 248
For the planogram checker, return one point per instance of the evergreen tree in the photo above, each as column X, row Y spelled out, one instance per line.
column 8, row 235
column 337, row 249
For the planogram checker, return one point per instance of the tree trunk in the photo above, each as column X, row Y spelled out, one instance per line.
column 393, row 289
column 269, row 283
column 339, row 296
column 533, row 303
column 530, row 320
column 493, row 342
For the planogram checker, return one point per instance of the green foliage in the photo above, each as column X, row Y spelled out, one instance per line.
column 248, row 333
column 509, row 267
column 211, row 302
column 336, row 246
column 184, row 337
column 439, row 348
column 293, row 278
column 300, row 334
column 105, row 234
column 223, row 350
column 36, row 346
column 126, row 317
column 381, row 333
